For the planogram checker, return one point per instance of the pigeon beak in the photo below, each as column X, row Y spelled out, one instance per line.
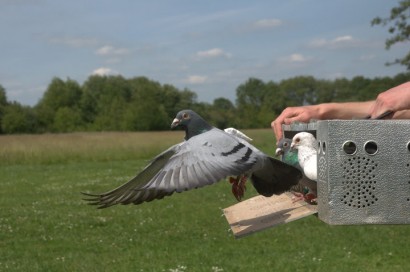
column 175, row 123
column 292, row 145
column 279, row 151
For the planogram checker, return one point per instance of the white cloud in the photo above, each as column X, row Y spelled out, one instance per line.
column 213, row 53
column 103, row 71
column 346, row 38
column 266, row 23
column 196, row 79
column 109, row 50
column 338, row 42
column 297, row 58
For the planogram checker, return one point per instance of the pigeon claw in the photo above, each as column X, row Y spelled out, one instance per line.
column 238, row 186
column 311, row 199
column 307, row 197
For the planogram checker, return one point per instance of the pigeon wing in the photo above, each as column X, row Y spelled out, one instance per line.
column 275, row 178
column 202, row 160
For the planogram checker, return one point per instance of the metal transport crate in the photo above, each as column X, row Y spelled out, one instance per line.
column 363, row 170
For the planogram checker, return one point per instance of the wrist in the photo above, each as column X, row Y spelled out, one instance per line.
column 325, row 111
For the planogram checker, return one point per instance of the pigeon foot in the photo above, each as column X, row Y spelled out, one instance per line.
column 238, row 186
column 308, row 197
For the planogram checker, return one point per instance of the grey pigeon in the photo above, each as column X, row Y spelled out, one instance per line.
column 306, row 189
column 206, row 156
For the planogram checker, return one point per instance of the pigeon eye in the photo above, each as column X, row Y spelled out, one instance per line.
column 185, row 115
column 297, row 140
column 285, row 144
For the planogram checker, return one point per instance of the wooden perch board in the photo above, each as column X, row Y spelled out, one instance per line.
column 258, row 213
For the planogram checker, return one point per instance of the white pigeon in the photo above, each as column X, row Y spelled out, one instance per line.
column 306, row 145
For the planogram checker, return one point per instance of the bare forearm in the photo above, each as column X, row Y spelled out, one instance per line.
column 347, row 110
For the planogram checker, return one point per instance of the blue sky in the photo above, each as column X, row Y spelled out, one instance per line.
column 210, row 47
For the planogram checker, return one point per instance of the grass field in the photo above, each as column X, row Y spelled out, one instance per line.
column 46, row 226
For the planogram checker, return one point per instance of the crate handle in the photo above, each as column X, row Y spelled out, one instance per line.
column 381, row 116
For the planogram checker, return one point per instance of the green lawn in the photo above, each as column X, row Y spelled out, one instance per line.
column 46, row 226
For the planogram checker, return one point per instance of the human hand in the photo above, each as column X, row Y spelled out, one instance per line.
column 393, row 100
column 293, row 114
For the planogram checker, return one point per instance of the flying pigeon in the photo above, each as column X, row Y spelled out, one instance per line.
column 306, row 145
column 306, row 189
column 206, row 156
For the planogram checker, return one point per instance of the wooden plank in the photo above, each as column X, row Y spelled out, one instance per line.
column 258, row 213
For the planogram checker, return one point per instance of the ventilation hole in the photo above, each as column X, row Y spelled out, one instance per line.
column 408, row 148
column 324, row 147
column 349, row 148
column 359, row 184
column 370, row 148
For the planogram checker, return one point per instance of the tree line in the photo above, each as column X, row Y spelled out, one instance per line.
column 115, row 103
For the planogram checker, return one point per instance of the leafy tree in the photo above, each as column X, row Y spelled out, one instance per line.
column 171, row 99
column 399, row 28
column 222, row 113
column 187, row 100
column 325, row 91
column 374, row 87
column 273, row 103
column 357, row 87
column 18, row 119
column 3, row 97
column 3, row 103
column 250, row 97
column 341, row 90
column 300, row 90
column 67, row 120
column 147, row 117
column 147, row 110
column 112, row 117
column 401, row 78
column 99, row 93
column 58, row 94
column 115, row 103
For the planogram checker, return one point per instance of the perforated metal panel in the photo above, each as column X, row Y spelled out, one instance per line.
column 366, row 176
column 359, row 182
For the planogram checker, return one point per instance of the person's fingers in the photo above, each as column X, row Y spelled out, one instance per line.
column 289, row 120
column 379, row 109
column 277, row 129
column 302, row 117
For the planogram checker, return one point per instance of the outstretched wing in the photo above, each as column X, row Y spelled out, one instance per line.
column 202, row 160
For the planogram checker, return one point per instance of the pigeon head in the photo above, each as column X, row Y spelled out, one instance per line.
column 191, row 122
column 283, row 146
column 304, row 139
